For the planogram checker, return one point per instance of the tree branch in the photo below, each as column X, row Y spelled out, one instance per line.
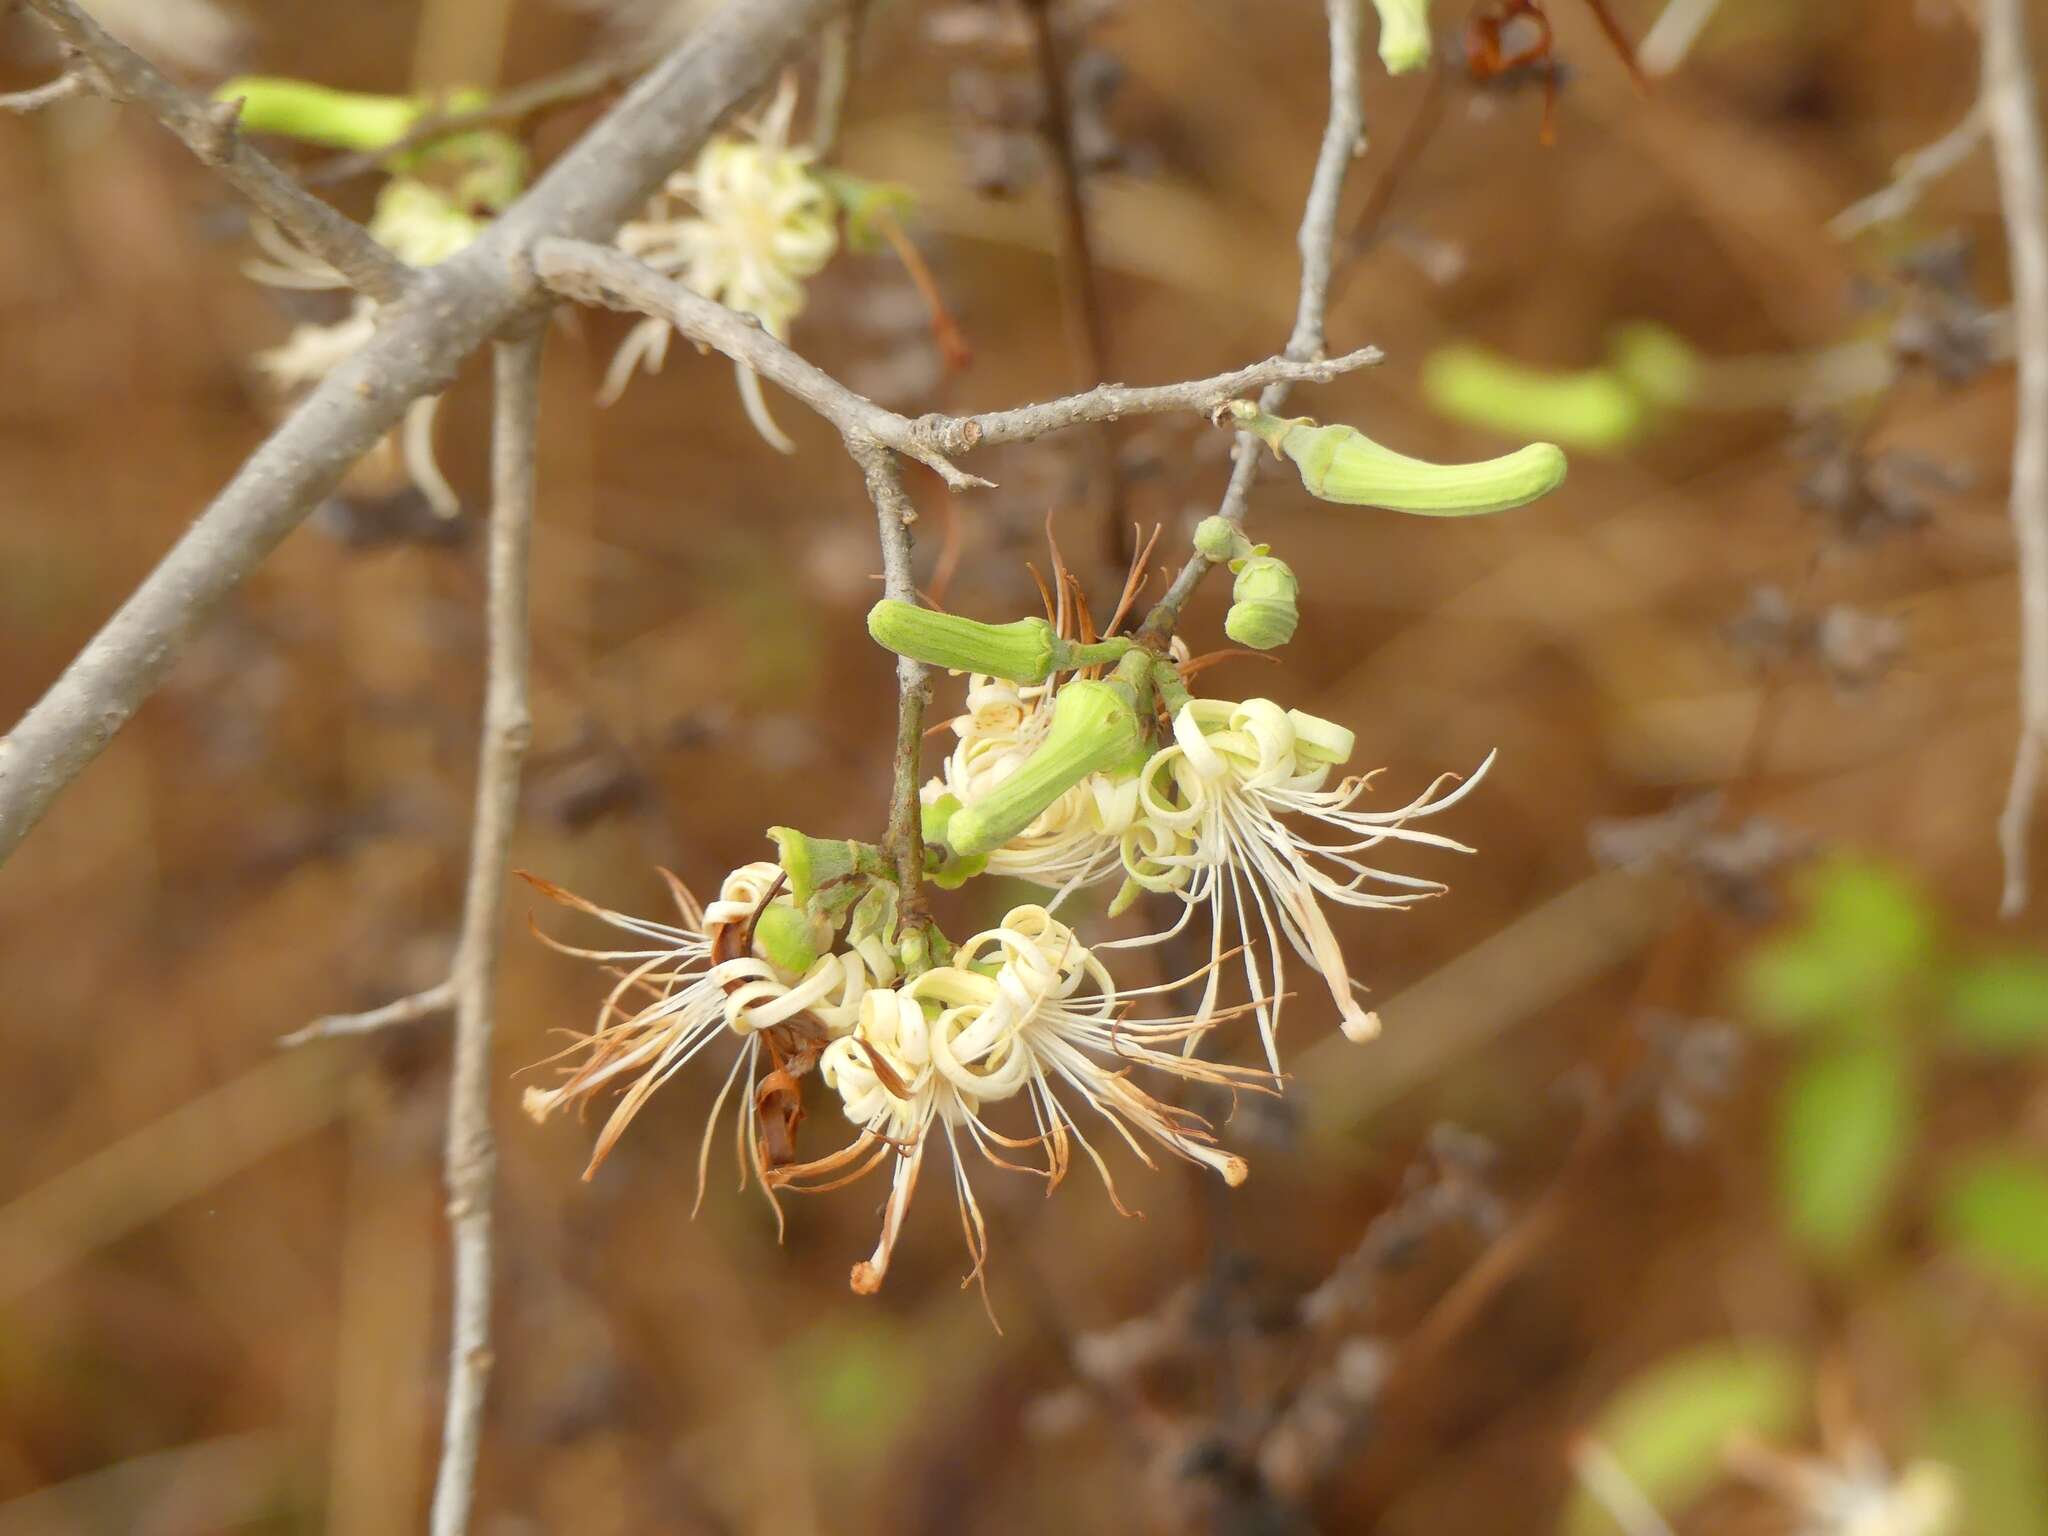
column 1912, row 175
column 904, row 841
column 1343, row 142
column 598, row 274
column 407, row 1010
column 63, row 88
column 453, row 308
column 507, row 727
column 208, row 130
column 2012, row 113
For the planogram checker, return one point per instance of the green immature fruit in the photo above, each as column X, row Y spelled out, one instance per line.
column 1262, row 613
column 1023, row 652
column 1404, row 35
column 1342, row 464
column 299, row 109
column 1597, row 409
column 1094, row 726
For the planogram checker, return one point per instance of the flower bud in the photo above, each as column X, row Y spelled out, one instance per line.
column 1404, row 35
column 1023, row 652
column 1094, row 726
column 1342, row 464
column 1262, row 613
column 813, row 863
column 945, row 870
column 1219, row 539
column 784, row 935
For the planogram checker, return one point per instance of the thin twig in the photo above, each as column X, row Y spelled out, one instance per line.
column 63, row 88
column 576, row 84
column 1670, row 38
column 904, row 841
column 208, row 130
column 2012, row 112
column 1079, row 277
column 597, row 274
column 407, row 1010
column 456, row 306
column 507, row 727
column 836, row 50
column 1912, row 175
column 1343, row 142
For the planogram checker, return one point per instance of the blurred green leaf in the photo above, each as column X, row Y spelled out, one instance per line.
column 1669, row 1427
column 1995, row 1435
column 1994, row 1211
column 1845, row 1126
column 1867, row 933
column 857, row 1379
column 2001, row 1004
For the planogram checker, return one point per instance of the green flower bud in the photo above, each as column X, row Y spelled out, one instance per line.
column 1220, row 540
column 1597, row 410
column 1342, row 464
column 1094, row 726
column 1262, row 604
column 785, row 936
column 1404, row 35
column 946, row 872
column 1023, row 652
column 827, row 874
column 299, row 109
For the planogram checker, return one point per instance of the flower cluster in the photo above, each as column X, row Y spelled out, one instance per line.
column 1021, row 1011
column 1080, row 761
column 1209, row 818
column 745, row 225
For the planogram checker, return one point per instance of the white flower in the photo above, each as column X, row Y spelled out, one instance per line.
column 712, row 977
column 745, row 226
column 1075, row 841
column 1210, row 828
column 1023, row 1011
column 420, row 226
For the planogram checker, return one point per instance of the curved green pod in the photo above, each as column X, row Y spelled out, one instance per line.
column 1342, row 464
column 1597, row 409
column 1094, row 726
column 317, row 114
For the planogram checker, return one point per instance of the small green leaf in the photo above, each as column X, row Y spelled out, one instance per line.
column 1845, row 1126
column 1669, row 1427
column 1866, row 938
column 1995, row 1435
column 867, row 205
column 2000, row 1005
column 1994, row 1211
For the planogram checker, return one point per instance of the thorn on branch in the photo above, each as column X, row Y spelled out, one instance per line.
column 214, row 142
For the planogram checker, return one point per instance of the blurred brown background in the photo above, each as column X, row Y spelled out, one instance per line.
column 222, row 1287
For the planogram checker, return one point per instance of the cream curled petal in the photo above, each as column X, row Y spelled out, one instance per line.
column 1216, row 797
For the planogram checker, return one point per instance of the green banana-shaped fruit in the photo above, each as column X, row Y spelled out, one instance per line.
column 1094, row 726
column 1342, row 464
